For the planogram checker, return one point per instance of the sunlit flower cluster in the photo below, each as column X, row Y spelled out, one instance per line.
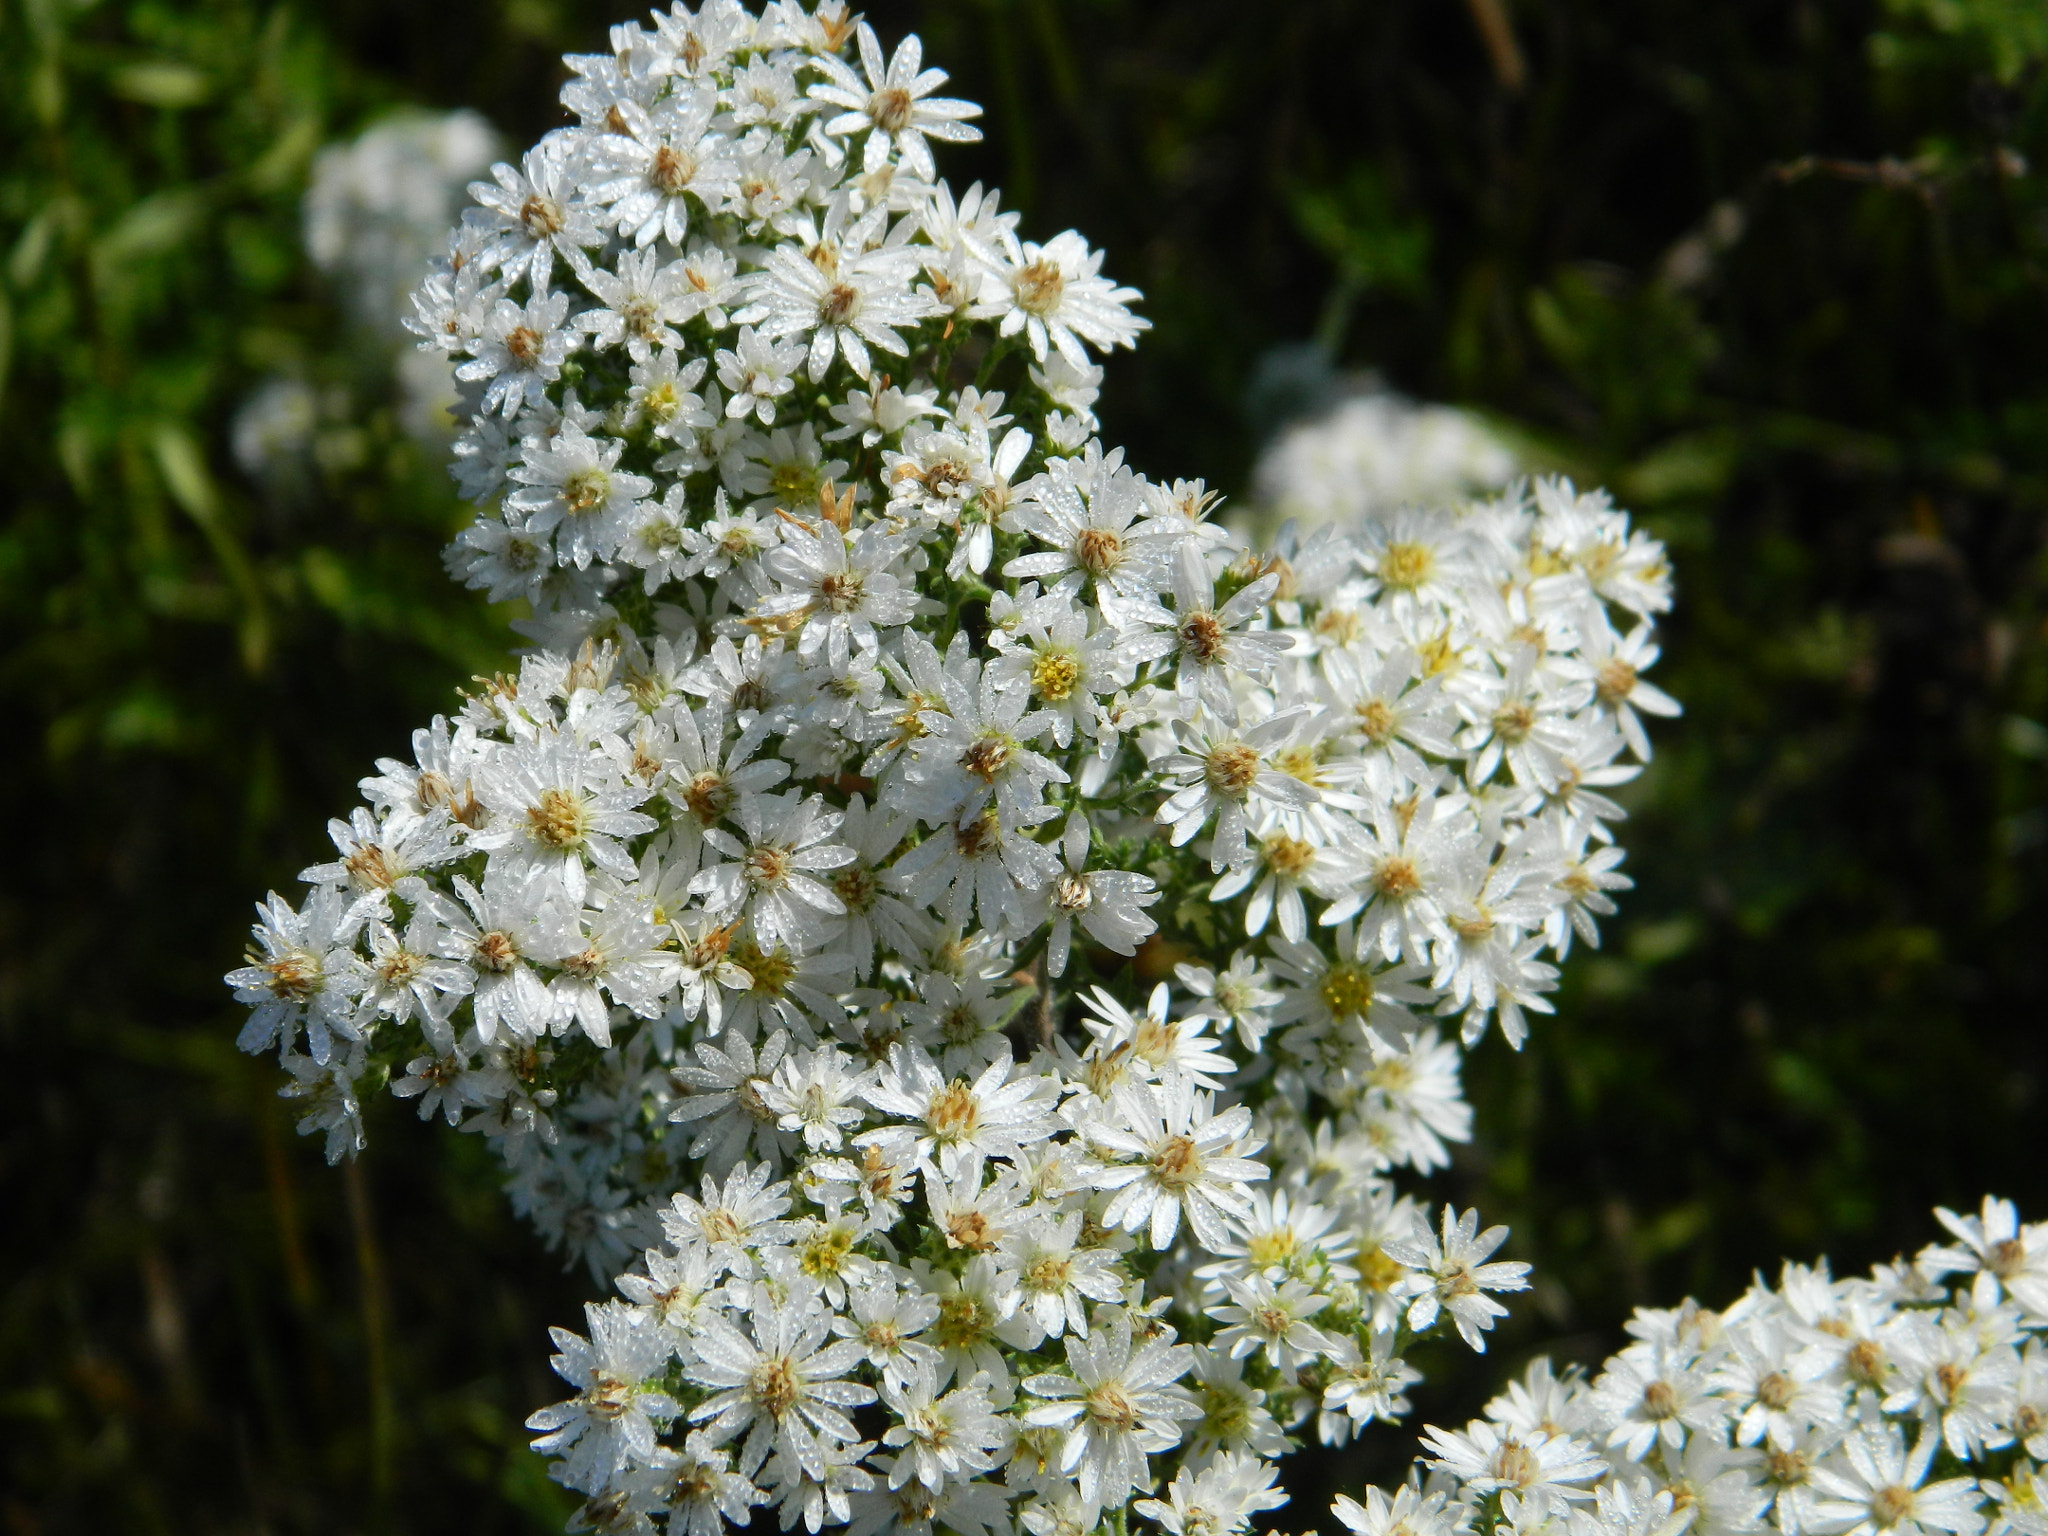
column 965, row 941
column 1910, row 1401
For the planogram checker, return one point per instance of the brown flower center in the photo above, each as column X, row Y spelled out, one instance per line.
column 987, row 756
column 1202, row 637
column 541, row 217
column 889, row 109
column 954, row 1112
column 586, row 490
column 776, row 1385
column 295, row 976
column 1098, row 551
column 672, row 171
column 558, row 819
column 1177, row 1163
column 1231, row 768
column 1039, row 286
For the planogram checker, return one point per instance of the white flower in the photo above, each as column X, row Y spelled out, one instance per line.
column 1652, row 1395
column 642, row 303
column 1238, row 995
column 1213, row 647
column 1108, row 903
column 856, row 305
column 756, row 373
column 1051, row 1278
column 2012, row 1257
column 1118, row 1404
column 328, row 1091
column 974, row 749
column 777, row 1379
column 1221, row 771
column 1219, row 1500
column 519, row 351
column 1090, row 529
column 813, row 1094
column 1233, row 1413
column 949, row 1437
column 771, row 876
column 1056, row 293
column 670, row 160
column 894, row 105
column 301, row 970
column 554, row 805
column 1192, row 1159
column 961, row 1121
column 408, row 979
column 534, row 213
column 1875, row 1486
column 885, row 1319
column 611, row 1423
column 698, row 1489
column 1489, row 1457
column 1360, row 1387
column 840, row 588
column 732, row 1222
column 1453, row 1276
column 1263, row 1315
column 724, row 1093
column 1408, row 1513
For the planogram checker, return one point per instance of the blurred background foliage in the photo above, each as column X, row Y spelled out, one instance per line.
column 1774, row 270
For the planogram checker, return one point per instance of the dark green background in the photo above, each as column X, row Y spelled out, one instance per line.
column 1772, row 269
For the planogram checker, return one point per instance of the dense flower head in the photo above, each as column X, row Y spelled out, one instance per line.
column 1910, row 1401
column 963, row 939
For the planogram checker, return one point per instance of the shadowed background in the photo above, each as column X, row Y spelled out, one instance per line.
column 1774, row 270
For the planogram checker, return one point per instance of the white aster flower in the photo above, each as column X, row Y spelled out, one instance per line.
column 894, row 104
column 1190, row 1159
column 1452, row 1275
column 1118, row 1404
column 774, row 1376
column 610, row 1424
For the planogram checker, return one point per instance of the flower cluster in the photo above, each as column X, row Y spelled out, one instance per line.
column 1907, row 1402
column 1373, row 453
column 953, row 930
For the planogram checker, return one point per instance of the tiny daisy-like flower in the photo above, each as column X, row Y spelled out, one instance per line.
column 1274, row 1318
column 961, row 1121
column 1878, row 1487
column 611, row 1423
column 1118, row 1402
column 519, row 351
column 771, row 877
column 1452, row 1275
column 1052, row 1279
column 1055, row 294
column 1488, row 1457
column 302, row 969
column 573, row 486
column 858, row 304
column 732, row 1221
column 894, row 105
column 778, row 1380
column 669, row 159
column 1190, row 1160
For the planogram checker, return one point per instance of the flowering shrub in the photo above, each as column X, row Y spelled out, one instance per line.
column 1911, row 1400
column 936, row 916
